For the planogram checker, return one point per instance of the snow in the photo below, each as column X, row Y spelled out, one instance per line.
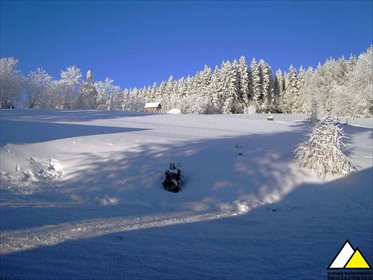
column 174, row 111
column 82, row 197
column 152, row 105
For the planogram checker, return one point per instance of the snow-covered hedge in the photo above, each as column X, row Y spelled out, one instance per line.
column 322, row 151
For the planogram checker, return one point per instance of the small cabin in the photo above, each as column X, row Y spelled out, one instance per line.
column 154, row 107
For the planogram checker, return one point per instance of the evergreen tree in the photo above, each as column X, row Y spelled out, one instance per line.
column 217, row 91
column 88, row 96
column 229, row 87
column 243, row 75
column 291, row 90
column 153, row 93
column 266, row 86
column 355, row 95
column 256, row 86
column 277, row 90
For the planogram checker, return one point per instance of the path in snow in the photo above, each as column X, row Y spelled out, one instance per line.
column 20, row 240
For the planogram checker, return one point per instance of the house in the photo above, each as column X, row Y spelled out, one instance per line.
column 154, row 107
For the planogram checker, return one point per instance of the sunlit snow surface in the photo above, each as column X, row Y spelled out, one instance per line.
column 82, row 197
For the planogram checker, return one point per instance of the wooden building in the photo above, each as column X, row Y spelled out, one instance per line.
column 154, row 107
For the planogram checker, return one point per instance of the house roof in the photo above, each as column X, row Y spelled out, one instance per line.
column 153, row 105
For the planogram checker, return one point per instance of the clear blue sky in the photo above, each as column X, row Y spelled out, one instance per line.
column 138, row 43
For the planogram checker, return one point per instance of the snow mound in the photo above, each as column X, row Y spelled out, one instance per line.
column 174, row 111
column 48, row 170
column 106, row 201
column 28, row 175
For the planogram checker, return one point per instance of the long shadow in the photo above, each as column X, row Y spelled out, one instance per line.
column 294, row 238
column 10, row 131
column 232, row 168
column 359, row 136
column 249, row 174
column 238, row 173
column 69, row 115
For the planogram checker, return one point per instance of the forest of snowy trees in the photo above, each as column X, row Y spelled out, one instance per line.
column 340, row 87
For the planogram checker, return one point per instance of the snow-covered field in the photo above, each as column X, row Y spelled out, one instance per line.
column 81, row 197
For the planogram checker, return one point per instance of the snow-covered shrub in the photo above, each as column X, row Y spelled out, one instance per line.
column 322, row 151
column 105, row 201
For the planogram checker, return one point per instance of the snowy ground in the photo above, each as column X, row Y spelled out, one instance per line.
column 81, row 197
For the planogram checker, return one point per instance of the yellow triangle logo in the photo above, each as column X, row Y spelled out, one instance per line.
column 357, row 261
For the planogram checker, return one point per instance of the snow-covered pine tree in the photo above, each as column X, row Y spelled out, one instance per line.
column 202, row 81
column 153, row 93
column 255, row 79
column 169, row 89
column 181, row 87
column 278, row 85
column 204, row 98
column 325, row 79
column 309, row 93
column 307, row 90
column 355, row 94
column 230, row 88
column 206, row 76
column 88, row 97
column 243, row 82
column 291, row 90
column 322, row 151
column 228, row 97
column 217, row 91
column 266, row 86
column 298, row 95
column 162, row 89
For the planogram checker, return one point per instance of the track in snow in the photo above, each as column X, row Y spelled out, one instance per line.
column 20, row 240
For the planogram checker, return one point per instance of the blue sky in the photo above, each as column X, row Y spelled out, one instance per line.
column 139, row 43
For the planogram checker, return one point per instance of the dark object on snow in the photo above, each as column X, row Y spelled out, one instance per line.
column 270, row 118
column 6, row 104
column 172, row 179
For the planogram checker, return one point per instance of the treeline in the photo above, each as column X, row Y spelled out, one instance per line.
column 341, row 87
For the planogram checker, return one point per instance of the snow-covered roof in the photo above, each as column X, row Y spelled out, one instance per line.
column 152, row 105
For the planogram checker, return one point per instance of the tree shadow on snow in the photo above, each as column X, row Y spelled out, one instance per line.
column 69, row 115
column 214, row 169
column 228, row 174
column 299, row 240
column 223, row 174
column 37, row 132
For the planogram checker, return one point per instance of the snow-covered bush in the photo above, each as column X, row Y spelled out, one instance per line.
column 322, row 151
column 105, row 201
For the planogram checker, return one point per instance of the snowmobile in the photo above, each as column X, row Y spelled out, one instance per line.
column 172, row 179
